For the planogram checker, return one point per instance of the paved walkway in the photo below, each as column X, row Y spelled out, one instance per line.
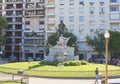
column 33, row 80
column 38, row 80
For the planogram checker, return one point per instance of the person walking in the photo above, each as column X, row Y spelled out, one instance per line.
column 97, row 75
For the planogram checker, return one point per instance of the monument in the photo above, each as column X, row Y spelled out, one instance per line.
column 61, row 52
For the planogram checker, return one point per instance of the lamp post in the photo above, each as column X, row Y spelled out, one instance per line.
column 20, row 57
column 1, row 53
column 34, row 52
column 107, row 36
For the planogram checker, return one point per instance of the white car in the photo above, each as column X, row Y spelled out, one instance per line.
column 118, row 63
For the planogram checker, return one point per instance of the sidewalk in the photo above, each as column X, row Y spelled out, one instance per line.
column 38, row 80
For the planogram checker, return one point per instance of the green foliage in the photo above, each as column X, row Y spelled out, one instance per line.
column 3, row 25
column 97, row 43
column 84, row 62
column 52, row 40
column 114, row 42
column 43, row 62
column 72, row 63
column 72, row 40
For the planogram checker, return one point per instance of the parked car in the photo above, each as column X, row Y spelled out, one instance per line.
column 13, row 59
column 118, row 63
column 38, row 59
column 30, row 59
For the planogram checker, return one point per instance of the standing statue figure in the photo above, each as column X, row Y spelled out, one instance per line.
column 76, row 50
column 61, row 28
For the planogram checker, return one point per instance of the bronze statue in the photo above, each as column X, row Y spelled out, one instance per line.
column 61, row 28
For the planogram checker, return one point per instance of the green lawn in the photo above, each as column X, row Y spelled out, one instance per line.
column 47, row 70
column 9, row 82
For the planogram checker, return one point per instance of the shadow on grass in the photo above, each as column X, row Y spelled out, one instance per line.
column 36, row 66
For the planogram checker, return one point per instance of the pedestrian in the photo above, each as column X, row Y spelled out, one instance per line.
column 97, row 75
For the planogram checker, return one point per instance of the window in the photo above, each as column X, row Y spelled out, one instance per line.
column 114, row 17
column 62, row 11
column 39, row 5
column 102, row 18
column 102, row 10
column 30, row 5
column 82, row 37
column 81, row 46
column 81, row 9
column 91, row 2
column 81, row 28
column 71, row 10
column 91, row 18
column 71, row 18
column 91, row 28
column 91, row 10
column 81, row 2
column 114, row 27
column 114, row 9
column 71, row 2
column 81, row 18
column 27, row 22
column 71, row 27
column 61, row 18
column 113, row 0
column 101, row 2
column 41, row 22
column 61, row 2
column 27, row 0
column 102, row 27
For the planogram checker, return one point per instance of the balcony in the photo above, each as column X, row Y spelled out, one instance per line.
column 50, row 13
column 49, row 5
column 51, row 30
column 114, row 3
column 115, row 21
column 14, row 2
column 50, row 22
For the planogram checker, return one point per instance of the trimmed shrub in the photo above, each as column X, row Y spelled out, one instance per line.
column 43, row 62
column 84, row 62
column 72, row 63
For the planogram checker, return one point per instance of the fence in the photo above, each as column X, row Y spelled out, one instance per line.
column 55, row 73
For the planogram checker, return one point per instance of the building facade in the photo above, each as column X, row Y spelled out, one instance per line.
column 87, row 17
column 32, row 21
column 26, row 30
column 1, row 7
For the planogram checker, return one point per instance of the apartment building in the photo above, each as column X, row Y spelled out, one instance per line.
column 26, row 29
column 32, row 21
column 0, row 7
column 85, row 17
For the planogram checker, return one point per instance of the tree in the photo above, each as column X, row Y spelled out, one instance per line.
column 3, row 25
column 97, row 43
column 114, row 43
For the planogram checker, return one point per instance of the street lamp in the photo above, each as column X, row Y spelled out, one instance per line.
column 107, row 36
column 1, row 53
column 34, row 52
column 20, row 56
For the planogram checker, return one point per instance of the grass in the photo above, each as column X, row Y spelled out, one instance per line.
column 47, row 70
column 9, row 82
